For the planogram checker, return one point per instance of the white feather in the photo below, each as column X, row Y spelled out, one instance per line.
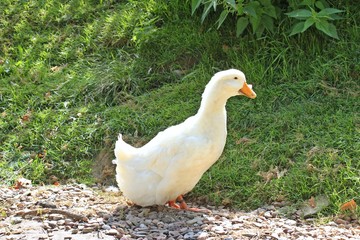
column 174, row 160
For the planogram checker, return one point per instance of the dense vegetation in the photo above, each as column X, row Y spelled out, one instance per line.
column 73, row 74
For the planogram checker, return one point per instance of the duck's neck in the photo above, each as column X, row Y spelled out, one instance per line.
column 212, row 104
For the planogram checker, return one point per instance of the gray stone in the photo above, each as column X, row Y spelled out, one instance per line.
column 112, row 232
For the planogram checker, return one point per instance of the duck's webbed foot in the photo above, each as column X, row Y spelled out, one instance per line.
column 182, row 205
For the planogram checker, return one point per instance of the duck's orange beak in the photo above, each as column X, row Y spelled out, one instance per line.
column 247, row 91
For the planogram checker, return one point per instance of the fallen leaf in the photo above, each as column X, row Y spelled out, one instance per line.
column 26, row 117
column 313, row 151
column 267, row 176
column 314, row 205
column 225, row 48
column 312, row 202
column 243, row 140
column 58, row 68
column 226, row 201
column 350, row 205
column 310, row 168
column 47, row 95
column 272, row 174
column 53, row 179
column 41, row 154
column 3, row 114
column 22, row 183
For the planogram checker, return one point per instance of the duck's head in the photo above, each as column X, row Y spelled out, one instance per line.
column 234, row 83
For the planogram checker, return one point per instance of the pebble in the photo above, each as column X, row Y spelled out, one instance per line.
column 203, row 236
column 108, row 214
column 106, row 227
column 87, row 230
column 111, row 232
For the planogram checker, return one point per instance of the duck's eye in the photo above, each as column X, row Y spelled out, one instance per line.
column 235, row 77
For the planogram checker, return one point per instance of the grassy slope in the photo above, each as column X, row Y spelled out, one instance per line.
column 81, row 73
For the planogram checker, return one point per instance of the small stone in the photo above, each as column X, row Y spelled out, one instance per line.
column 290, row 222
column 219, row 230
column 87, row 230
column 111, row 232
column 140, row 234
column 203, row 236
column 249, row 234
column 268, row 214
column 68, row 222
column 16, row 220
column 168, row 219
column 340, row 221
column 106, row 216
column 143, row 226
column 61, row 222
column 144, row 213
column 106, row 227
column 332, row 224
column 237, row 226
column 56, row 217
column 174, row 234
column 189, row 235
column 52, row 224
column 259, row 225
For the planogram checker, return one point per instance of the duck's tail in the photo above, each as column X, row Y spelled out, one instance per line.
column 123, row 151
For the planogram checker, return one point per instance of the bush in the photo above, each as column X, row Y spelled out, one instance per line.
column 263, row 15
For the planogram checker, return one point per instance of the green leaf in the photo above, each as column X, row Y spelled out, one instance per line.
column 324, row 3
column 214, row 3
column 250, row 10
column 222, row 18
column 306, row 3
column 194, row 5
column 259, row 31
column 299, row 14
column 268, row 23
column 240, row 9
column 270, row 10
column 308, row 23
column 206, row 11
column 327, row 28
column 297, row 28
column 241, row 25
column 266, row 3
column 232, row 3
column 334, row 17
column 319, row 5
column 328, row 12
column 255, row 23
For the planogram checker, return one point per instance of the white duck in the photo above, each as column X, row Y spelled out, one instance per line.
column 173, row 162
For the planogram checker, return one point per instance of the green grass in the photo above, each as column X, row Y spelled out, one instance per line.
column 74, row 75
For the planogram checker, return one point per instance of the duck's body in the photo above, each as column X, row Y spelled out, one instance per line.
column 174, row 160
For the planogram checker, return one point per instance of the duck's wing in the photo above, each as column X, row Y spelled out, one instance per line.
column 180, row 154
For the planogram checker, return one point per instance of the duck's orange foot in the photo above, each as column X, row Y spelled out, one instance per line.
column 182, row 205
column 173, row 204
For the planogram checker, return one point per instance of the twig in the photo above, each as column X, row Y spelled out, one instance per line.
column 40, row 211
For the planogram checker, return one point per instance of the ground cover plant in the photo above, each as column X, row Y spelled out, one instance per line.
column 73, row 74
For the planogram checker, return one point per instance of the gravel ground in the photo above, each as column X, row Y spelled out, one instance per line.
column 77, row 212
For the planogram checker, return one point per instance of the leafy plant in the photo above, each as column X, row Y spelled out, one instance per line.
column 309, row 16
column 261, row 15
